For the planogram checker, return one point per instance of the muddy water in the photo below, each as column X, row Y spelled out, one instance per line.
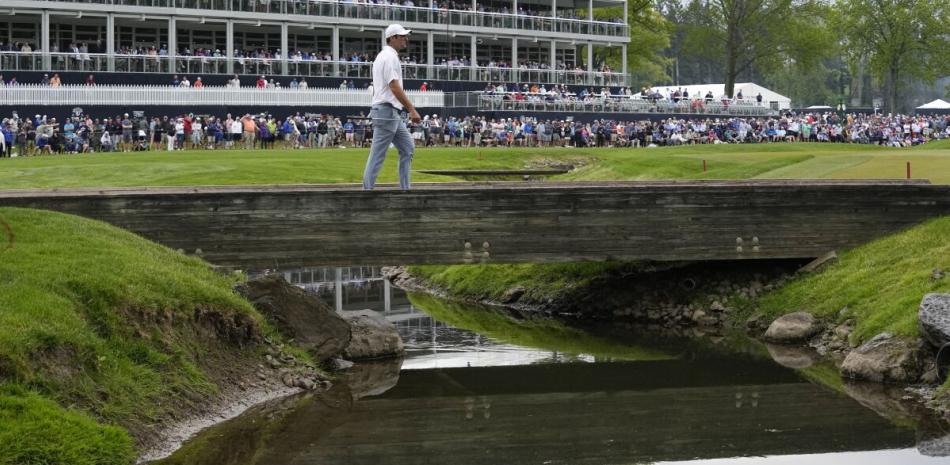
column 471, row 397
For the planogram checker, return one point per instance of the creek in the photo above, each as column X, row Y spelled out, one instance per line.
column 486, row 391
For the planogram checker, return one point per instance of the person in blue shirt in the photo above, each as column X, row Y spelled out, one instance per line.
column 349, row 129
column 287, row 130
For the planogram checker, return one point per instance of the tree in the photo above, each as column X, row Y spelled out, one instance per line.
column 760, row 35
column 649, row 37
column 900, row 39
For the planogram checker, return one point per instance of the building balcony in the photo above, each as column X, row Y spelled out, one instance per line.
column 134, row 96
column 192, row 65
column 428, row 18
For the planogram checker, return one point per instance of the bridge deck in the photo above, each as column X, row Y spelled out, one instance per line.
column 268, row 226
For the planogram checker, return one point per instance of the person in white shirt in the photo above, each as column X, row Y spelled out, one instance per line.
column 235, row 129
column 389, row 101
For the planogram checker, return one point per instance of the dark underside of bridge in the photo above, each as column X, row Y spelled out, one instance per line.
column 287, row 226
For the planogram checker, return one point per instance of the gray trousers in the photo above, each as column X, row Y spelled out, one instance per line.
column 388, row 128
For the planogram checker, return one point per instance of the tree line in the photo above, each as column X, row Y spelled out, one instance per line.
column 857, row 53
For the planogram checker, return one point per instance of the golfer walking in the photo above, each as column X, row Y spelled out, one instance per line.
column 389, row 101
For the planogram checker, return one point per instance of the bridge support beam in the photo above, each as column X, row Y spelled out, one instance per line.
column 506, row 222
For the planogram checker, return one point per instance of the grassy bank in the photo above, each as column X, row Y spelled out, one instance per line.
column 879, row 285
column 239, row 167
column 541, row 282
column 105, row 337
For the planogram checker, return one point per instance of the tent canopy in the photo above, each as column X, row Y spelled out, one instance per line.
column 935, row 105
column 749, row 91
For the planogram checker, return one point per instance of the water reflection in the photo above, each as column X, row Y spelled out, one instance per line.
column 470, row 399
column 429, row 343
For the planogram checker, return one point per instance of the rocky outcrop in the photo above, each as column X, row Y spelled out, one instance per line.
column 312, row 324
column 885, row 358
column 933, row 319
column 792, row 328
column 372, row 337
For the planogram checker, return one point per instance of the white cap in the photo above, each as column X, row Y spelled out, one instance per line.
column 396, row 30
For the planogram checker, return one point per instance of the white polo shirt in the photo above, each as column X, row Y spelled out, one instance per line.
column 386, row 68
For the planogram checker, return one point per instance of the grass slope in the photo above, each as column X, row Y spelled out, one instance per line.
column 880, row 283
column 490, row 281
column 100, row 327
column 239, row 167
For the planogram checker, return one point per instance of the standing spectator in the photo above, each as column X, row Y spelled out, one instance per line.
column 55, row 81
column 250, row 131
column 198, row 83
column 126, row 133
column 45, row 81
column 90, row 80
column 261, row 83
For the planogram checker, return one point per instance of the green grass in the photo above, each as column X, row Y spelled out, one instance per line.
column 880, row 283
column 541, row 281
column 37, row 431
column 540, row 333
column 336, row 165
column 96, row 319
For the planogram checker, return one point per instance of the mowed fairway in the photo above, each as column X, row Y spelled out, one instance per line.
column 238, row 167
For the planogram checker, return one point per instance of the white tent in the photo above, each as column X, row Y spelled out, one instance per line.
column 749, row 91
column 935, row 105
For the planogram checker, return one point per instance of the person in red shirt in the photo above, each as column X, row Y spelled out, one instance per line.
column 424, row 87
column 261, row 83
column 187, row 123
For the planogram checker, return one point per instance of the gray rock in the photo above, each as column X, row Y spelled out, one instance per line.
column 792, row 356
column 288, row 379
column 372, row 337
column 311, row 323
column 933, row 319
column 698, row 316
column 885, row 358
column 372, row 378
column 935, row 447
column 512, row 295
column 843, row 331
column 338, row 364
column 306, row 384
column 937, row 274
column 794, row 327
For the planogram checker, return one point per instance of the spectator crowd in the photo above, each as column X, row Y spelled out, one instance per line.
column 41, row 135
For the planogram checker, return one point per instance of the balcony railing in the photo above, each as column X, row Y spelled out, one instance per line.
column 601, row 103
column 181, row 96
column 91, row 62
column 393, row 13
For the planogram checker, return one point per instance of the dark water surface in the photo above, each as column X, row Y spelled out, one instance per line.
column 459, row 397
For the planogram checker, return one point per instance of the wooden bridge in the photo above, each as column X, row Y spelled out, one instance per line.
column 287, row 226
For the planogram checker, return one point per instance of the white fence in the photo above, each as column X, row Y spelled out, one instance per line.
column 185, row 96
